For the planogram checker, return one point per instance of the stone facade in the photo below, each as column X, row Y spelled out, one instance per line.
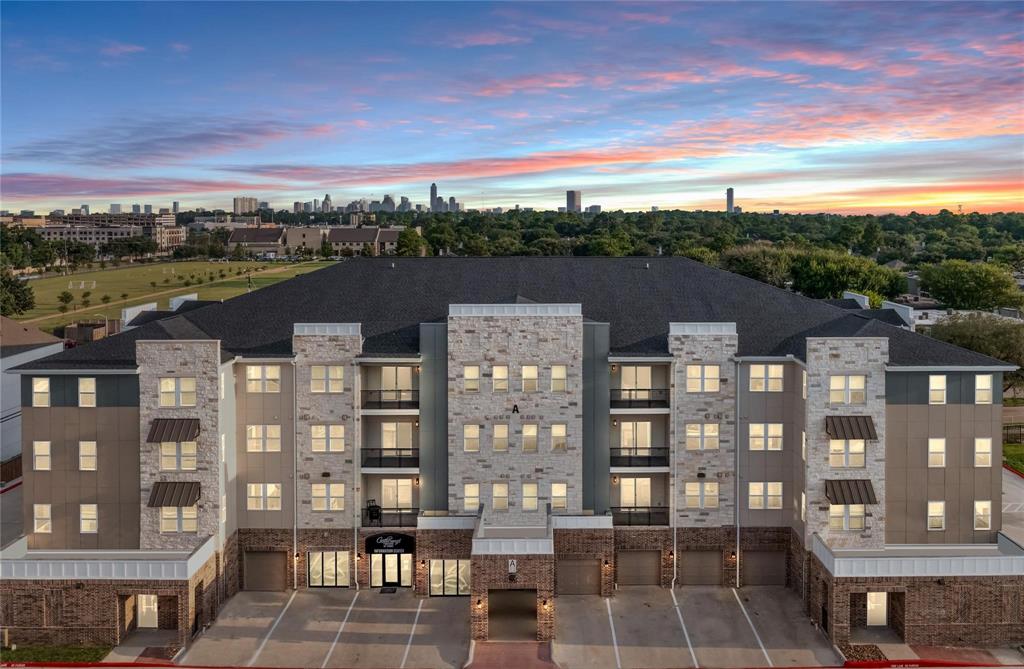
column 180, row 358
column 515, row 341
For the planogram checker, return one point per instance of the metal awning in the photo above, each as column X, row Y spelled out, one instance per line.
column 173, row 429
column 850, row 427
column 850, row 491
column 174, row 493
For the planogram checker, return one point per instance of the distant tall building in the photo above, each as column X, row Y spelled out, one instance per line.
column 452, row 204
column 596, row 209
column 264, row 205
column 296, row 207
column 147, row 209
column 245, row 205
column 175, row 206
column 85, row 209
column 404, row 205
column 387, row 204
column 307, row 207
column 327, row 205
column 115, row 209
column 573, row 201
column 433, row 198
column 728, row 201
column 136, row 208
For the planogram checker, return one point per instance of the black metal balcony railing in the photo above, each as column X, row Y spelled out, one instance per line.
column 639, row 457
column 640, row 515
column 639, row 398
column 391, row 399
column 391, row 457
column 390, row 517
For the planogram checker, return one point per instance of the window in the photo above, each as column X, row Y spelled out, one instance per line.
column 766, row 378
column 559, row 496
column 223, row 385
column 529, row 497
column 86, row 392
column 328, row 438
column 766, row 436
column 263, row 497
column 42, row 519
column 471, row 496
column 983, row 452
column 983, row 515
column 803, row 507
column 702, row 436
column 499, row 378
column 41, row 461
column 88, row 518
column 983, row 389
column 764, row 495
column 846, row 517
column 449, row 578
column 471, row 438
column 223, row 509
column 803, row 445
column 846, row 453
column 396, row 383
column 635, row 437
column 499, row 496
column 701, row 495
column 529, row 438
column 396, row 436
column 500, row 443
column 178, row 456
column 40, row 391
column 803, row 383
column 396, row 493
column 937, row 452
column 328, row 497
column 702, row 378
column 178, row 391
column 937, row 389
column 179, row 519
column 263, row 438
column 328, row 569
column 471, row 378
column 87, row 456
column 936, row 515
column 636, row 382
column 530, row 379
column 327, row 379
column 262, row 378
column 559, row 440
column 847, row 389
column 635, row 492
column 559, row 378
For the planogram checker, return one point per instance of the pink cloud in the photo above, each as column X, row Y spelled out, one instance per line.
column 116, row 49
column 533, row 83
column 24, row 185
column 180, row 47
column 485, row 38
column 645, row 17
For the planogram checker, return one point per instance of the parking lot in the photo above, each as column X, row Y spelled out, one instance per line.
column 335, row 628
column 711, row 627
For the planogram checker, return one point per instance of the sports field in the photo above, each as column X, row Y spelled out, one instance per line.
column 220, row 281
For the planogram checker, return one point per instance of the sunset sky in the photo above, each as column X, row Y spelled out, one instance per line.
column 801, row 107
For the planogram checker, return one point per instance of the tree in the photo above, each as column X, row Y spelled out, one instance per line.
column 764, row 263
column 326, row 250
column 105, row 299
column 988, row 334
column 124, row 296
column 16, row 296
column 410, row 243
column 823, row 274
column 65, row 298
column 870, row 238
column 959, row 284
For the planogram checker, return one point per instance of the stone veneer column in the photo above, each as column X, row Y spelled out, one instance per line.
column 180, row 358
column 845, row 355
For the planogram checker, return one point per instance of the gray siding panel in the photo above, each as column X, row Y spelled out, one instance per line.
column 912, row 387
column 596, row 403
column 433, row 433
column 112, row 390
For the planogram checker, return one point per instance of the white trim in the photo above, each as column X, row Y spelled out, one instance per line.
column 331, row 329
column 752, row 628
column 581, row 522
column 571, row 309
column 639, row 359
column 513, row 546
column 1008, row 562
column 628, row 411
column 446, row 522
column 952, row 368
column 412, row 632
column 611, row 625
column 639, row 470
column 701, row 328
column 390, row 412
column 389, row 361
column 402, row 471
column 73, row 372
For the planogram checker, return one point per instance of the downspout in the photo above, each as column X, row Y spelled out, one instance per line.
column 295, row 476
column 675, row 488
column 357, row 461
column 736, row 432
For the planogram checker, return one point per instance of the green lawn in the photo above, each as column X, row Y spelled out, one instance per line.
column 1013, row 455
column 136, row 282
column 55, row 654
column 1013, row 401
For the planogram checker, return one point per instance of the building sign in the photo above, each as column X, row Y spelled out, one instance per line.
column 390, row 543
column 513, row 566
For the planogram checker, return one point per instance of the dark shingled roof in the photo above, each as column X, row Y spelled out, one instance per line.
column 17, row 337
column 156, row 314
column 843, row 302
column 367, row 235
column 256, row 235
column 638, row 297
column 890, row 316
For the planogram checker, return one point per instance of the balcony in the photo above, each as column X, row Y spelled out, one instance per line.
column 378, row 517
column 391, row 399
column 639, row 457
column 640, row 515
column 639, row 398
column 391, row 457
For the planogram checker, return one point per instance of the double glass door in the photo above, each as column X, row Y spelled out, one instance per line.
column 391, row 569
column 396, row 383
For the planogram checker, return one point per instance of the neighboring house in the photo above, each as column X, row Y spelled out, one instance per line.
column 303, row 238
column 467, row 426
column 18, row 344
column 267, row 242
column 354, row 240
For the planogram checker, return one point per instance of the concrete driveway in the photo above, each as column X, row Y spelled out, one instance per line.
column 339, row 627
column 1013, row 506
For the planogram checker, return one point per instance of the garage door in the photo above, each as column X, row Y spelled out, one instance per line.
column 639, row 568
column 266, row 570
column 701, row 568
column 578, row 577
column 512, row 615
column 763, row 567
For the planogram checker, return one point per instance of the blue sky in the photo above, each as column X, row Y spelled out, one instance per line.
column 801, row 107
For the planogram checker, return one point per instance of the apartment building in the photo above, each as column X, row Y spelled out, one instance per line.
column 478, row 427
column 167, row 237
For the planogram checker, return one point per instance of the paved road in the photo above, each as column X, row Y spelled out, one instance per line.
column 1013, row 506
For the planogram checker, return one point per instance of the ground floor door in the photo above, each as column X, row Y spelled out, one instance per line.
column 328, row 569
column 763, row 567
column 700, row 567
column 638, row 568
column 512, row 615
column 266, row 570
column 578, row 577
column 147, row 611
column 391, row 570
column 878, row 608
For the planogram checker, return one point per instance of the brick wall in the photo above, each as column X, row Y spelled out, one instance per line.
column 646, row 539
column 265, row 540
column 334, row 539
column 490, row 572
column 436, row 545
column 590, row 544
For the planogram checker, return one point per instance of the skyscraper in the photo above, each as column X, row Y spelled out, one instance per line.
column 85, row 209
column 327, row 205
column 174, row 206
column 115, row 209
column 433, row 197
column 147, row 209
column 136, row 208
column 452, row 204
column 728, row 201
column 245, row 205
column 387, row 204
column 404, row 205
column 573, row 201
column 296, row 207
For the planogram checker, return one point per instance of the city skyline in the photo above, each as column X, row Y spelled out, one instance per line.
column 802, row 108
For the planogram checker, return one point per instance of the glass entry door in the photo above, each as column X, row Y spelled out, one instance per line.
column 391, row 569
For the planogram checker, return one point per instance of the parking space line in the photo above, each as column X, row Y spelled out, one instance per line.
column 686, row 635
column 341, row 629
column 263, row 643
column 752, row 628
column 615, row 641
column 408, row 644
